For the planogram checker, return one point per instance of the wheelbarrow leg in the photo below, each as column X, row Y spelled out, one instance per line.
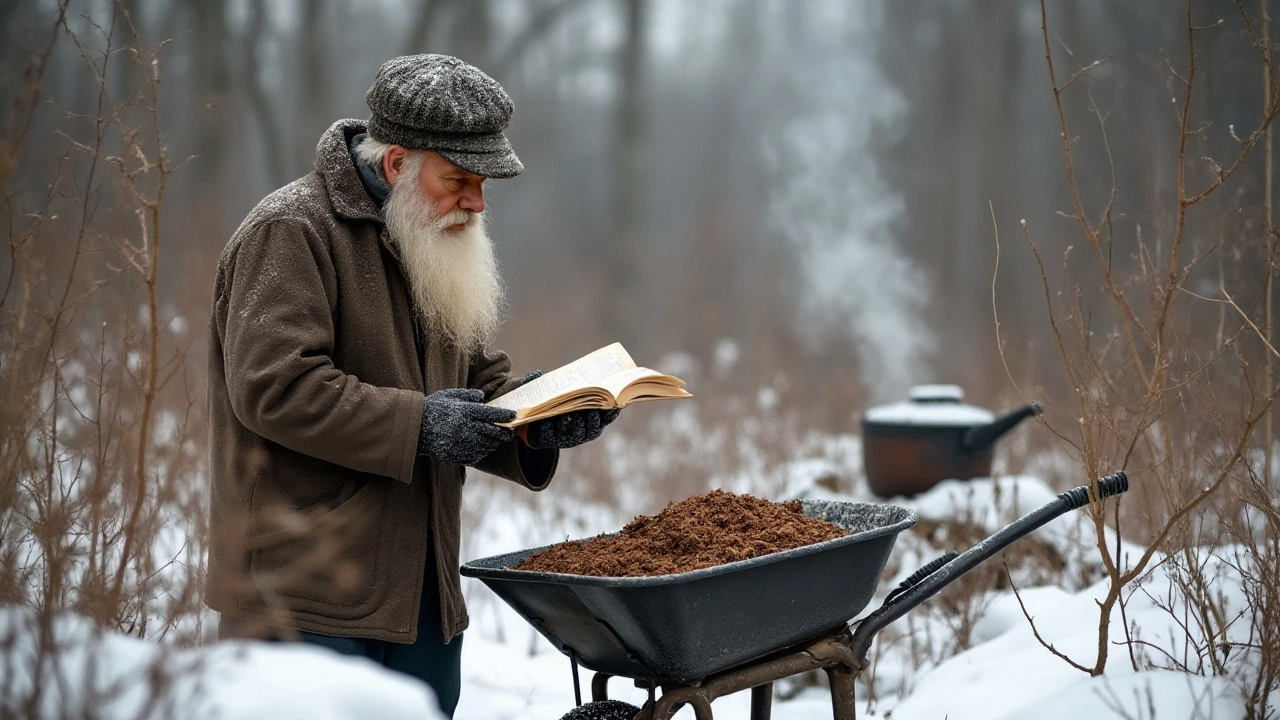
column 842, row 702
column 665, row 707
column 600, row 686
column 701, row 708
column 761, row 701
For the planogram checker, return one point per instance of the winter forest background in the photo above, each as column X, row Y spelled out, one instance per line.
column 808, row 180
column 801, row 207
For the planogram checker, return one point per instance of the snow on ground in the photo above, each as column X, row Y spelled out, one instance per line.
column 509, row 671
column 91, row 674
column 1013, row 676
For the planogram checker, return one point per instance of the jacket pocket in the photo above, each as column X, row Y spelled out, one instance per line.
column 325, row 555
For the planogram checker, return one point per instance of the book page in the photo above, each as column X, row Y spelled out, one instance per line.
column 592, row 370
column 616, row 384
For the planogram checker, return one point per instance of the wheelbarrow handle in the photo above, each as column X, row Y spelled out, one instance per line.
column 929, row 580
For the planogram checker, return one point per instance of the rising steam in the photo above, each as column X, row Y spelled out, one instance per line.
column 831, row 203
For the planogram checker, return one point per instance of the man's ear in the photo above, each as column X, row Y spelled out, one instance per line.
column 393, row 163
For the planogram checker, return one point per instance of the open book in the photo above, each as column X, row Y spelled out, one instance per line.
column 607, row 378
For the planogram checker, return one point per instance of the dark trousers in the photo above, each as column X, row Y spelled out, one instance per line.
column 429, row 659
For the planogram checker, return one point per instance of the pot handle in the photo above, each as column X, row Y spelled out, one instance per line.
column 980, row 439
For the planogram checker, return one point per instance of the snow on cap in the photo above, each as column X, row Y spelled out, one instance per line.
column 440, row 103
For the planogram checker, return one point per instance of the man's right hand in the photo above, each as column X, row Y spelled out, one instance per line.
column 458, row 428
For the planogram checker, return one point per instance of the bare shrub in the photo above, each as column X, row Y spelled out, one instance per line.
column 1152, row 392
column 98, row 469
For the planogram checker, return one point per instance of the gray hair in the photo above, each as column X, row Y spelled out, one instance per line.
column 372, row 151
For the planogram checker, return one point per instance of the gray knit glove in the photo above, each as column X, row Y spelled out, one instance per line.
column 458, row 428
column 569, row 430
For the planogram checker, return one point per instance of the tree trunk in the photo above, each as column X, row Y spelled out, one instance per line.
column 627, row 256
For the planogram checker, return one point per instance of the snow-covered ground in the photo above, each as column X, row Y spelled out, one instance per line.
column 509, row 671
column 84, row 673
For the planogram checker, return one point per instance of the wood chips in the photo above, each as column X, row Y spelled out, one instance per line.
column 702, row 531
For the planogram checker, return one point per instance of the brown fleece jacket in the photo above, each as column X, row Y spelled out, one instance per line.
column 322, row 513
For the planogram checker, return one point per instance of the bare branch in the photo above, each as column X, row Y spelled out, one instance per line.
column 1229, row 302
column 1036, row 631
column 1086, row 70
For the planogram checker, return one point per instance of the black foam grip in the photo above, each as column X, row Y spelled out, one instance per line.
column 1112, row 484
column 919, row 575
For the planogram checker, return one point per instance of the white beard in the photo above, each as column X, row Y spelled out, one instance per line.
column 453, row 276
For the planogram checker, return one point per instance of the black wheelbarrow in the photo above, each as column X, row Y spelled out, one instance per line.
column 706, row 633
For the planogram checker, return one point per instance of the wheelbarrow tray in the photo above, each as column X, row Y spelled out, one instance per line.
column 690, row 625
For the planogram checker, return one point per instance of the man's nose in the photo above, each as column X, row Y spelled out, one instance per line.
column 472, row 200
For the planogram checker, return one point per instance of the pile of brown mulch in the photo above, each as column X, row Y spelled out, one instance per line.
column 702, row 531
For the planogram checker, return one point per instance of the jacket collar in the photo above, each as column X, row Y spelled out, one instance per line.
column 333, row 163
column 377, row 189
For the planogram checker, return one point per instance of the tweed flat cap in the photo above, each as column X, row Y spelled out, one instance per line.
column 440, row 103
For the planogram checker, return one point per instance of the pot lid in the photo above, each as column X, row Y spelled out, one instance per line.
column 930, row 405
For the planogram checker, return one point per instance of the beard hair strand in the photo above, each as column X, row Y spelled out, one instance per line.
column 453, row 276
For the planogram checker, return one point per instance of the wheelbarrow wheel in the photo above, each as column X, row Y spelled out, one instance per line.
column 603, row 710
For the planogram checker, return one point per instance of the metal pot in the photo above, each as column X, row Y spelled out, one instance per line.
column 908, row 447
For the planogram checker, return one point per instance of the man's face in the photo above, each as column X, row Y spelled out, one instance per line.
column 434, row 214
column 450, row 187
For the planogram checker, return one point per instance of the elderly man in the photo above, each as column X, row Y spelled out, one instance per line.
column 349, row 367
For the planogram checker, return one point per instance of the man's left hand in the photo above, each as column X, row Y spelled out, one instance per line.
column 568, row 430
